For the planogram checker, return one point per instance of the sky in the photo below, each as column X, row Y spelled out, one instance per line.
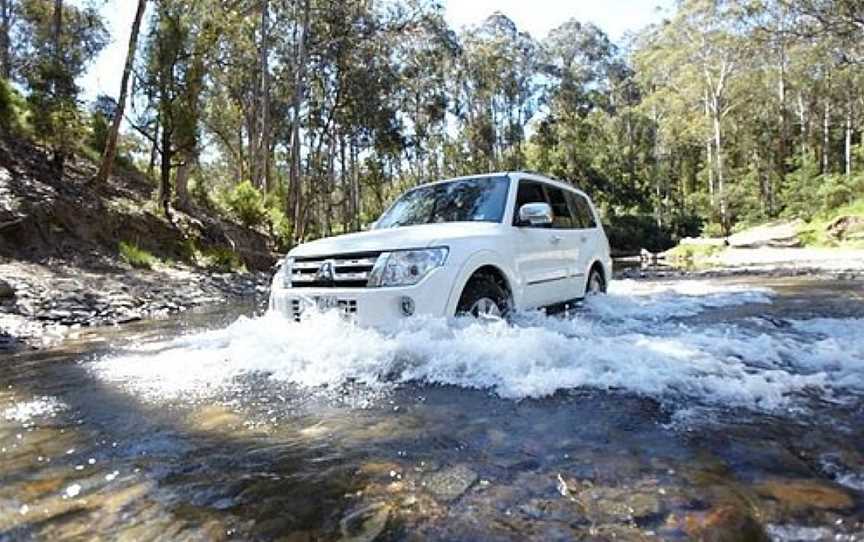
column 538, row 17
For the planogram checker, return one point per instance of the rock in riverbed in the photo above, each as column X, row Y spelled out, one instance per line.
column 6, row 290
column 449, row 484
column 804, row 494
column 44, row 296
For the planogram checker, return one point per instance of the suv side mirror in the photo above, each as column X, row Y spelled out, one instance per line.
column 536, row 214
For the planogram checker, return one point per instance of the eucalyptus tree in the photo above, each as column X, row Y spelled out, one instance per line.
column 171, row 80
column 111, row 141
column 703, row 53
column 496, row 92
column 55, row 42
column 7, row 11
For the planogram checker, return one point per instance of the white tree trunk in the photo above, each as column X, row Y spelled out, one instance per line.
column 718, row 144
column 848, row 143
column 826, row 136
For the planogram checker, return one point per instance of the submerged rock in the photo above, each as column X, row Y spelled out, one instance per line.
column 806, row 494
column 725, row 523
column 6, row 290
column 366, row 524
column 608, row 504
column 451, row 483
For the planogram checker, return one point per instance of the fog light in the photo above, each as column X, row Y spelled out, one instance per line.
column 407, row 305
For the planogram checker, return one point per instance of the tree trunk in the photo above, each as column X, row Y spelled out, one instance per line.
column 655, row 168
column 826, row 136
column 802, row 119
column 59, row 152
column 709, row 153
column 356, row 200
column 181, row 181
column 783, row 118
column 718, row 146
column 58, row 27
column 165, row 173
column 264, row 146
column 111, row 144
column 848, row 141
column 154, row 150
column 5, row 43
column 295, row 190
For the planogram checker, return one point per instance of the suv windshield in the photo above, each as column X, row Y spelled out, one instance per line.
column 471, row 200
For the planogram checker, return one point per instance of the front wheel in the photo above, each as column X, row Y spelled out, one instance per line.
column 596, row 284
column 484, row 297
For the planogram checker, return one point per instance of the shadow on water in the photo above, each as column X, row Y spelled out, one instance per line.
column 264, row 459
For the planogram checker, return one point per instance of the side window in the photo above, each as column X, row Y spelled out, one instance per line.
column 529, row 192
column 582, row 215
column 560, row 209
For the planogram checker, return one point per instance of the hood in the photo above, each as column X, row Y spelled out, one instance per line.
column 406, row 237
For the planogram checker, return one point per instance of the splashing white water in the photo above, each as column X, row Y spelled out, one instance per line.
column 634, row 340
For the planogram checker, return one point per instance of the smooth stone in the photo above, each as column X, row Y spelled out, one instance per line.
column 451, row 483
column 806, row 494
column 6, row 290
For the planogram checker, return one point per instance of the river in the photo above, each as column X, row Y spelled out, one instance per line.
column 728, row 409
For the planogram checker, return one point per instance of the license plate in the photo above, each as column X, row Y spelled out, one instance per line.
column 326, row 302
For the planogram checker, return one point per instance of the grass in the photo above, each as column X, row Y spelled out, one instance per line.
column 136, row 256
column 215, row 258
column 815, row 232
column 693, row 252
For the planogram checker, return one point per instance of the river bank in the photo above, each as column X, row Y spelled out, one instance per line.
column 827, row 263
column 40, row 304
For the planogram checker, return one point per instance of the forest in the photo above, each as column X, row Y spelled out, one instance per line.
column 304, row 118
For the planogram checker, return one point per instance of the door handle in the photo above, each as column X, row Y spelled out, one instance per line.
column 555, row 239
column 583, row 239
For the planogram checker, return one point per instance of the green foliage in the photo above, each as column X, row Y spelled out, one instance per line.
column 136, row 256
column 247, row 204
column 51, row 63
column 13, row 109
column 394, row 97
column 630, row 233
column 215, row 258
column 691, row 253
column 280, row 226
column 222, row 259
column 98, row 132
column 815, row 231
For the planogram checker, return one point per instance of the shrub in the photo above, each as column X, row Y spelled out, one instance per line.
column 13, row 109
column 220, row 259
column 136, row 256
column 246, row 203
column 693, row 252
column 7, row 112
column 630, row 233
column 280, row 227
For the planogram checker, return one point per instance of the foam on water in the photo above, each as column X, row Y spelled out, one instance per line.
column 636, row 340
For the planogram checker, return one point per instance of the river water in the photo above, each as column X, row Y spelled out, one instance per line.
column 716, row 410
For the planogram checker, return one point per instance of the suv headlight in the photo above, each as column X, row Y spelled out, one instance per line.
column 283, row 276
column 406, row 267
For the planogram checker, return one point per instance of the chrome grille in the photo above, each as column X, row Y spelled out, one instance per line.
column 346, row 270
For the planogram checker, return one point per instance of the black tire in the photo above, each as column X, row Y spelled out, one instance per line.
column 596, row 283
column 479, row 288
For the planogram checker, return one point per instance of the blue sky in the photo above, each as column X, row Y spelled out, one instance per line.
column 615, row 17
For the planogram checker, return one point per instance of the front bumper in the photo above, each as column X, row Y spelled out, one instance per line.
column 375, row 307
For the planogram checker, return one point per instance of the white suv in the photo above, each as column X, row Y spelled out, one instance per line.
column 479, row 245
